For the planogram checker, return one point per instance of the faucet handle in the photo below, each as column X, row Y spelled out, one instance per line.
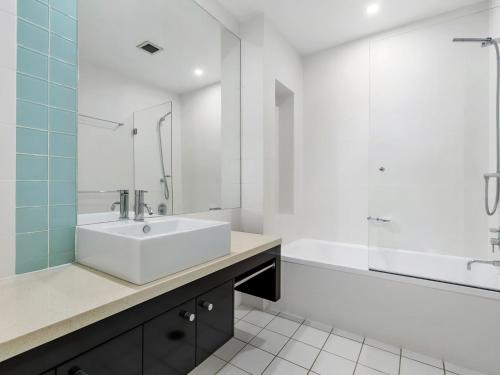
column 494, row 230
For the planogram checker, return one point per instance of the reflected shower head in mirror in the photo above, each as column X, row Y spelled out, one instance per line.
column 163, row 180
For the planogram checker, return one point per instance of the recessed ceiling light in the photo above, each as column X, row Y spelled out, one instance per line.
column 373, row 9
column 198, row 72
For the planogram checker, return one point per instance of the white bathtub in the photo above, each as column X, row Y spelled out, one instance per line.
column 429, row 312
column 432, row 267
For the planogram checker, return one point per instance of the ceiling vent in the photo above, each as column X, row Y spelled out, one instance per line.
column 149, row 47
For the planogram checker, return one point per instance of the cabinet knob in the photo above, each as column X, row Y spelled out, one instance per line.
column 207, row 305
column 190, row 317
column 76, row 371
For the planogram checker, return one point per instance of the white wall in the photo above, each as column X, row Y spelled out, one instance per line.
column 201, row 148
column 414, row 103
column 8, row 67
column 266, row 57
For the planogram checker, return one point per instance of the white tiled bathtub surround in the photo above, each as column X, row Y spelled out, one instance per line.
column 341, row 352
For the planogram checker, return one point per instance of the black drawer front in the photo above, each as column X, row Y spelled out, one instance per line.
column 169, row 342
column 120, row 356
column 215, row 315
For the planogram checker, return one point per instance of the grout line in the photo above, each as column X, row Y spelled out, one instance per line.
column 359, row 355
column 317, row 355
column 400, row 359
column 286, row 343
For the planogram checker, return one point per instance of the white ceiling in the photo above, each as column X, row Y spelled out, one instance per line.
column 314, row 25
column 110, row 30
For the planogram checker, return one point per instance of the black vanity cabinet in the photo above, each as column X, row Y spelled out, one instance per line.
column 167, row 335
column 170, row 342
column 119, row 356
column 215, row 320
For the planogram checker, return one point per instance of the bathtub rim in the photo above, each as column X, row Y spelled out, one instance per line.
column 404, row 279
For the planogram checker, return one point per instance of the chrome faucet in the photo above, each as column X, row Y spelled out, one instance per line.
column 495, row 241
column 123, row 203
column 494, row 263
column 140, row 205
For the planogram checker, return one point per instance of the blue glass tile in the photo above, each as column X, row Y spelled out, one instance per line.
column 33, row 11
column 32, row 115
column 62, row 73
column 62, row 192
column 66, row 6
column 29, row 141
column 32, row 63
column 29, row 167
column 62, row 145
column 62, row 97
column 31, row 36
column 62, row 121
column 62, row 169
column 63, row 25
column 63, row 49
column 31, row 252
column 62, row 216
column 62, row 246
column 31, row 219
column 32, row 89
column 31, row 193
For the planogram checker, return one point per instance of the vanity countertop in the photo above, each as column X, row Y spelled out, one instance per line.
column 42, row 306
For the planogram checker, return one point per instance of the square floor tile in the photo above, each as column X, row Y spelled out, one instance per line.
column 423, row 358
column 229, row 349
column 258, row 318
column 411, row 367
column 460, row 370
column 269, row 341
column 245, row 331
column 343, row 347
column 209, row 366
column 378, row 344
column 347, row 334
column 229, row 369
column 252, row 359
column 241, row 311
column 363, row 370
column 299, row 353
column 283, row 326
column 328, row 363
column 281, row 367
column 311, row 336
column 379, row 359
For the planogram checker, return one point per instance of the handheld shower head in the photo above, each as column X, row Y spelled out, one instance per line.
column 163, row 118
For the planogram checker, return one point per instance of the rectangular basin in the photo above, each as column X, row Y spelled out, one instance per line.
column 141, row 252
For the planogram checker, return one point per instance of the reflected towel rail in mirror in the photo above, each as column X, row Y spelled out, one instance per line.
column 86, row 121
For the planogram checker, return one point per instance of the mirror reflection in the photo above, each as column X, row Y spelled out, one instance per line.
column 159, row 108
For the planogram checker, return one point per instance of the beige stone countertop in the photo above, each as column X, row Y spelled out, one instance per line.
column 42, row 306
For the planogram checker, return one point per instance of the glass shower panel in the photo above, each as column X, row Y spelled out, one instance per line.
column 431, row 141
column 150, row 126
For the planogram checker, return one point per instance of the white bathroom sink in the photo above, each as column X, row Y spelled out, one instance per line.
column 140, row 252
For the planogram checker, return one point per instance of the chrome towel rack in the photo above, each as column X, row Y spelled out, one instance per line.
column 87, row 117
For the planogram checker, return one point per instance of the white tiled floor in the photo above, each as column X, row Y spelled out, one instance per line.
column 281, row 345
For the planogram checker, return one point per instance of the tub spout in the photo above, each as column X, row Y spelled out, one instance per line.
column 494, row 263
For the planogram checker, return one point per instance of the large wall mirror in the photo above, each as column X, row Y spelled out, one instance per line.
column 159, row 107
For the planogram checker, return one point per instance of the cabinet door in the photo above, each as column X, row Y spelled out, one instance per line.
column 170, row 342
column 215, row 315
column 120, row 356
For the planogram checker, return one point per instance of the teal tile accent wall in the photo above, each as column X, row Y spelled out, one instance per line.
column 46, row 140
